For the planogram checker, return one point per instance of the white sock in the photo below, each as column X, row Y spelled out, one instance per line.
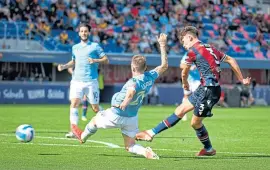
column 137, row 149
column 74, row 117
column 89, row 130
column 100, row 108
column 151, row 132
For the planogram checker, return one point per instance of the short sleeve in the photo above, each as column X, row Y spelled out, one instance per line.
column 154, row 74
column 221, row 56
column 73, row 55
column 132, row 84
column 100, row 51
column 190, row 58
column 183, row 59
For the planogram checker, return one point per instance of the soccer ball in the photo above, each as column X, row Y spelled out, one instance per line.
column 25, row 133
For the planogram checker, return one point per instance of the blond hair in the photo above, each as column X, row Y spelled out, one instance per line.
column 138, row 63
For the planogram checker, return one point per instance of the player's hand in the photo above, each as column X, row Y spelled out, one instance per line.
column 122, row 106
column 60, row 67
column 185, row 86
column 246, row 81
column 91, row 60
column 193, row 67
column 162, row 39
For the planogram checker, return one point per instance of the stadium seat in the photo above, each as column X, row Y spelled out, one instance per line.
column 206, row 21
column 239, row 42
column 239, row 35
column 266, row 36
column 63, row 47
column 56, row 32
column 250, row 28
column 208, row 27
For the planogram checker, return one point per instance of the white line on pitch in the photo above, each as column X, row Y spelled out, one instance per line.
column 111, row 145
column 55, row 144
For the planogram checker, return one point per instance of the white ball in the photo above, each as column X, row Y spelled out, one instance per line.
column 25, row 133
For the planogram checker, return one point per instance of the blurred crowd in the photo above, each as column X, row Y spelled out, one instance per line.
column 132, row 25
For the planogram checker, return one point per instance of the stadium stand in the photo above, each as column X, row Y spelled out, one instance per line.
column 131, row 26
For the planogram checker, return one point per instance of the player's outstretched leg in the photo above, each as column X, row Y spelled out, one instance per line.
column 84, row 108
column 172, row 120
column 203, row 136
column 89, row 130
column 137, row 149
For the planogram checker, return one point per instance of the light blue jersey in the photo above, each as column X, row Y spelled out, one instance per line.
column 142, row 85
column 194, row 75
column 84, row 71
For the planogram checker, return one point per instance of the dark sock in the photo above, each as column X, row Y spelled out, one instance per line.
column 167, row 123
column 85, row 106
column 202, row 134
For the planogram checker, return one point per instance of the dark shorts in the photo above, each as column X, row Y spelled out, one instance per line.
column 203, row 100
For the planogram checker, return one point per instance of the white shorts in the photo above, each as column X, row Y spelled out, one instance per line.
column 192, row 87
column 109, row 119
column 90, row 89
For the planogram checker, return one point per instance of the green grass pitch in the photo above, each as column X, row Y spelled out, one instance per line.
column 240, row 136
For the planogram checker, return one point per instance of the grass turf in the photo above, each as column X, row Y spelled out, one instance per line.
column 240, row 136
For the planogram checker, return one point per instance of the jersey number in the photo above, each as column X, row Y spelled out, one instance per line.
column 213, row 54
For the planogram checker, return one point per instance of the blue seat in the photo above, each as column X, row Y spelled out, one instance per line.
column 252, row 35
column 266, row 36
column 206, row 21
column 63, row 47
column 239, row 35
column 250, row 28
column 56, row 32
column 240, row 42
column 130, row 23
column 48, row 45
column 72, row 34
column 208, row 27
column 118, row 29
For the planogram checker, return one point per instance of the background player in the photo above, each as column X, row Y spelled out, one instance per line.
column 126, row 103
column 207, row 59
column 86, row 57
column 193, row 81
column 84, row 101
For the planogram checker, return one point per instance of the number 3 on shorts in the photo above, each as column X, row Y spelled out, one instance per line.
column 201, row 108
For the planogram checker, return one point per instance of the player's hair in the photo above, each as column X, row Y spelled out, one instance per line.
column 82, row 24
column 138, row 63
column 187, row 30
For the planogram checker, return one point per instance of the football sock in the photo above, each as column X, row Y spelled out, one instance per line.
column 85, row 106
column 100, row 108
column 202, row 134
column 74, row 118
column 89, row 130
column 137, row 149
column 165, row 124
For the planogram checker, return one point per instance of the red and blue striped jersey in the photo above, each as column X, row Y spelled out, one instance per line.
column 207, row 59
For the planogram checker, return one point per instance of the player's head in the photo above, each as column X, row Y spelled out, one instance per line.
column 138, row 64
column 84, row 31
column 188, row 36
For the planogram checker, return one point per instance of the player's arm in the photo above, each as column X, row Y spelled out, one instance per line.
column 70, row 64
column 184, row 75
column 102, row 56
column 129, row 96
column 70, row 70
column 103, row 59
column 236, row 69
column 162, row 40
